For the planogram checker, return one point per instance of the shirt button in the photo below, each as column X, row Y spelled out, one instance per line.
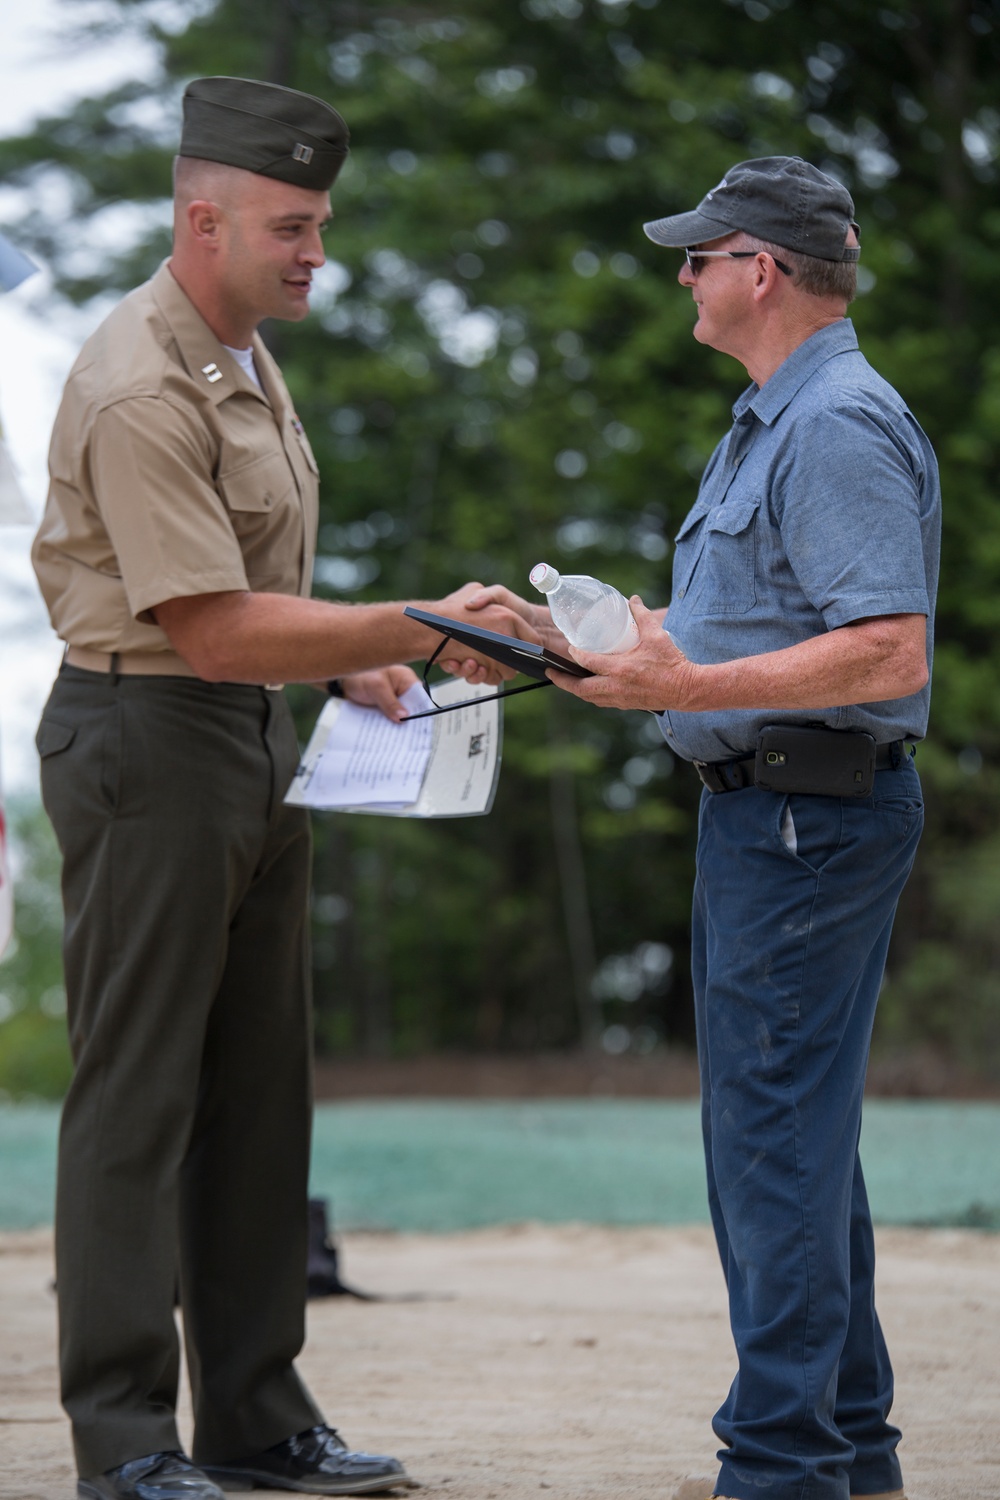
column 681, row 593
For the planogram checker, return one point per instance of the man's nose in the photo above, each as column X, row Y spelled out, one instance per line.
column 312, row 252
column 685, row 275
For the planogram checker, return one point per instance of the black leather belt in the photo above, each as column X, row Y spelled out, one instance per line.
column 734, row 775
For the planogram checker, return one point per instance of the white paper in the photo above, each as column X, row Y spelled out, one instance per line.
column 464, row 767
column 367, row 758
column 441, row 767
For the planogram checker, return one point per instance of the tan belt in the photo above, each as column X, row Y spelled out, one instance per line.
column 138, row 664
column 130, row 663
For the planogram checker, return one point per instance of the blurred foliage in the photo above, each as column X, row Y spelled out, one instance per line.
column 500, row 368
column 34, row 1052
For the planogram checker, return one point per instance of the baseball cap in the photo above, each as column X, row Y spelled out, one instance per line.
column 264, row 128
column 782, row 199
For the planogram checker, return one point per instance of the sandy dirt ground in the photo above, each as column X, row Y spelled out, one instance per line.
column 579, row 1360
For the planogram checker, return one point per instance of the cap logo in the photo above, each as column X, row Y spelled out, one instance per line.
column 718, row 188
column 212, row 373
column 303, row 154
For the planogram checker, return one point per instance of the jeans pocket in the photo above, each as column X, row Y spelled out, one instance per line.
column 898, row 800
column 903, row 814
column 789, row 837
column 810, row 829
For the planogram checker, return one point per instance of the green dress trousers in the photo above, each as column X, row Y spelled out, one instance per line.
column 184, row 1147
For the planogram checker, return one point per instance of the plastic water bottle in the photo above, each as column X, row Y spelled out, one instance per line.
column 591, row 614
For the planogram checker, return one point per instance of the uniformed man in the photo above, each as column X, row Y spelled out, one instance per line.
column 175, row 556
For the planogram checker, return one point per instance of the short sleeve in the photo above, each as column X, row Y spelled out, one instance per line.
column 849, row 511
column 151, row 471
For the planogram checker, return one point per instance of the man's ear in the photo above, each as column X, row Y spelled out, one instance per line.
column 205, row 222
column 766, row 276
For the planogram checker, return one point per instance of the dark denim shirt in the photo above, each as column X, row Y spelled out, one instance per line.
column 822, row 506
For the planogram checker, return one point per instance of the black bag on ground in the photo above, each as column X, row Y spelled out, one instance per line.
column 322, row 1263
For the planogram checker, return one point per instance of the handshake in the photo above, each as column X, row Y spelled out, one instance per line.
column 495, row 608
column 631, row 658
column 498, row 609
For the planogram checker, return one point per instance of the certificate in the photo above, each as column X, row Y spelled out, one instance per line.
column 358, row 761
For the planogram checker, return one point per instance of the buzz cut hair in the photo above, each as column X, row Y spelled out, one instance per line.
column 195, row 177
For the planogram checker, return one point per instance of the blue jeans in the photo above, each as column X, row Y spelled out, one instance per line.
column 790, row 939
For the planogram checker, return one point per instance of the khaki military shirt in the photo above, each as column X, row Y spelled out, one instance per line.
column 171, row 475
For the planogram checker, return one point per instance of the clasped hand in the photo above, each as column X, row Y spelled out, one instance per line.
column 382, row 687
column 490, row 612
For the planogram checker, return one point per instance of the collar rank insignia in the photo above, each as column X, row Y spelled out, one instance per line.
column 212, row 373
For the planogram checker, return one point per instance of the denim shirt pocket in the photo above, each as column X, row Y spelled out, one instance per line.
column 723, row 581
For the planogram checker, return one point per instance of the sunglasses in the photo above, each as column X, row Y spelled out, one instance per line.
column 692, row 253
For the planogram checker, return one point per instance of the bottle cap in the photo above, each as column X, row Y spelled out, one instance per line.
column 544, row 577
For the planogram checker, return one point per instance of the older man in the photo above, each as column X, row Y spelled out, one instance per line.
column 175, row 556
column 795, row 677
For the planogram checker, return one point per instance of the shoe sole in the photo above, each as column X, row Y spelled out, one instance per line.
column 242, row 1480
column 87, row 1490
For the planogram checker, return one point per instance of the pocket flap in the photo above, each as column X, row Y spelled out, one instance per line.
column 690, row 521
column 51, row 737
column 732, row 519
column 257, row 486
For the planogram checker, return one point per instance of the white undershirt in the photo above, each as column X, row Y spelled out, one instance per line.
column 244, row 358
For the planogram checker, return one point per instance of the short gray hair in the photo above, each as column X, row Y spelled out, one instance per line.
column 823, row 278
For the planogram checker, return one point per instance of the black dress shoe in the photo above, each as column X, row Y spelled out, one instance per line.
column 158, row 1476
column 316, row 1462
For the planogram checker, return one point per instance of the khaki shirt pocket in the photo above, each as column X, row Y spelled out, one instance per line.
column 265, row 512
column 261, row 485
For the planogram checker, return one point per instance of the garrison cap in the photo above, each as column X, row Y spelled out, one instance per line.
column 782, row 199
column 264, row 128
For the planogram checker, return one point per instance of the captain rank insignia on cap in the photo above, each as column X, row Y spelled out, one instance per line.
column 264, row 128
